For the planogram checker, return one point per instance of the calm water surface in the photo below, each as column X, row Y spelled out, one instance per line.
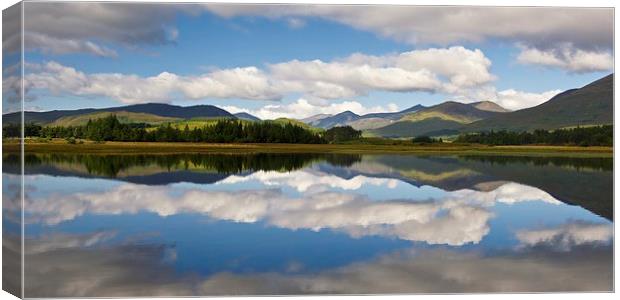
column 179, row 225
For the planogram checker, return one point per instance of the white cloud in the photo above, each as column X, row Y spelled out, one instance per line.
column 295, row 23
column 573, row 60
column 457, row 218
column 417, row 70
column 50, row 45
column 541, row 29
column 339, row 80
column 463, row 67
column 86, row 27
column 74, row 27
column 450, row 70
column 447, row 25
column 433, row 222
column 568, row 235
column 303, row 108
column 112, row 272
column 513, row 99
column 59, row 241
column 435, row 271
column 306, row 181
column 246, row 83
column 510, row 98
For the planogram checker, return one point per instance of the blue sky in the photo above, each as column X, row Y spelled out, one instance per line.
column 224, row 55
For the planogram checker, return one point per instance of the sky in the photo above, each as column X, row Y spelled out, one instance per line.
column 300, row 60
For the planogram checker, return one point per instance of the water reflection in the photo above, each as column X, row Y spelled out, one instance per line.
column 179, row 225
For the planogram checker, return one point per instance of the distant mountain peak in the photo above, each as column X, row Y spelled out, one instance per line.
column 591, row 104
column 246, row 116
column 312, row 120
column 340, row 119
column 347, row 112
column 489, row 106
column 157, row 109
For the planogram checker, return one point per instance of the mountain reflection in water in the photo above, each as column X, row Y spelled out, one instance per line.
column 232, row 224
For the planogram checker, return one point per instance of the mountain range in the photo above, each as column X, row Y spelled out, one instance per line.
column 588, row 105
column 149, row 109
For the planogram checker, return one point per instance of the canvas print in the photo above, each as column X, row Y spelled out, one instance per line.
column 221, row 149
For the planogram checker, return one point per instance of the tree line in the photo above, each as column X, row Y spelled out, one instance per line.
column 578, row 136
column 222, row 131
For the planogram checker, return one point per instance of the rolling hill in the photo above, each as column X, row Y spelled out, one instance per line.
column 122, row 116
column 364, row 122
column 489, row 106
column 246, row 116
column 340, row 119
column 394, row 115
column 158, row 109
column 295, row 122
column 589, row 105
column 430, row 127
column 312, row 120
column 370, row 123
column 451, row 111
column 441, row 119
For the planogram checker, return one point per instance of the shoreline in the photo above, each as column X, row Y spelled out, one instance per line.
column 171, row 148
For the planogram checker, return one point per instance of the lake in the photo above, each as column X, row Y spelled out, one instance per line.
column 233, row 224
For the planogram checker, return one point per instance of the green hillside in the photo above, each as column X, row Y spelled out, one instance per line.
column 295, row 122
column 430, row 127
column 489, row 106
column 158, row 109
column 198, row 122
column 441, row 119
column 122, row 116
column 370, row 123
column 450, row 111
column 589, row 105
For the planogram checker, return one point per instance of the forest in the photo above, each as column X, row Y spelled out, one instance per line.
column 221, row 131
column 578, row 136
column 235, row 131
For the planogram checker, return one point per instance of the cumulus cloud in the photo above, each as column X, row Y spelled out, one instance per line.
column 127, row 270
column 541, row 30
column 435, row 271
column 448, row 70
column 60, row 28
column 246, row 83
column 88, row 27
column 296, row 23
column 458, row 218
column 303, row 108
column 433, row 222
column 60, row 241
column 510, row 98
column 566, row 236
column 417, row 70
column 340, row 80
column 86, row 267
column 573, row 60
column 464, row 68
column 507, row 193
column 446, row 25
column 513, row 99
column 51, row 45
column 304, row 180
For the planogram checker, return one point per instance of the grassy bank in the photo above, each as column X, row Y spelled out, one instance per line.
column 61, row 146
